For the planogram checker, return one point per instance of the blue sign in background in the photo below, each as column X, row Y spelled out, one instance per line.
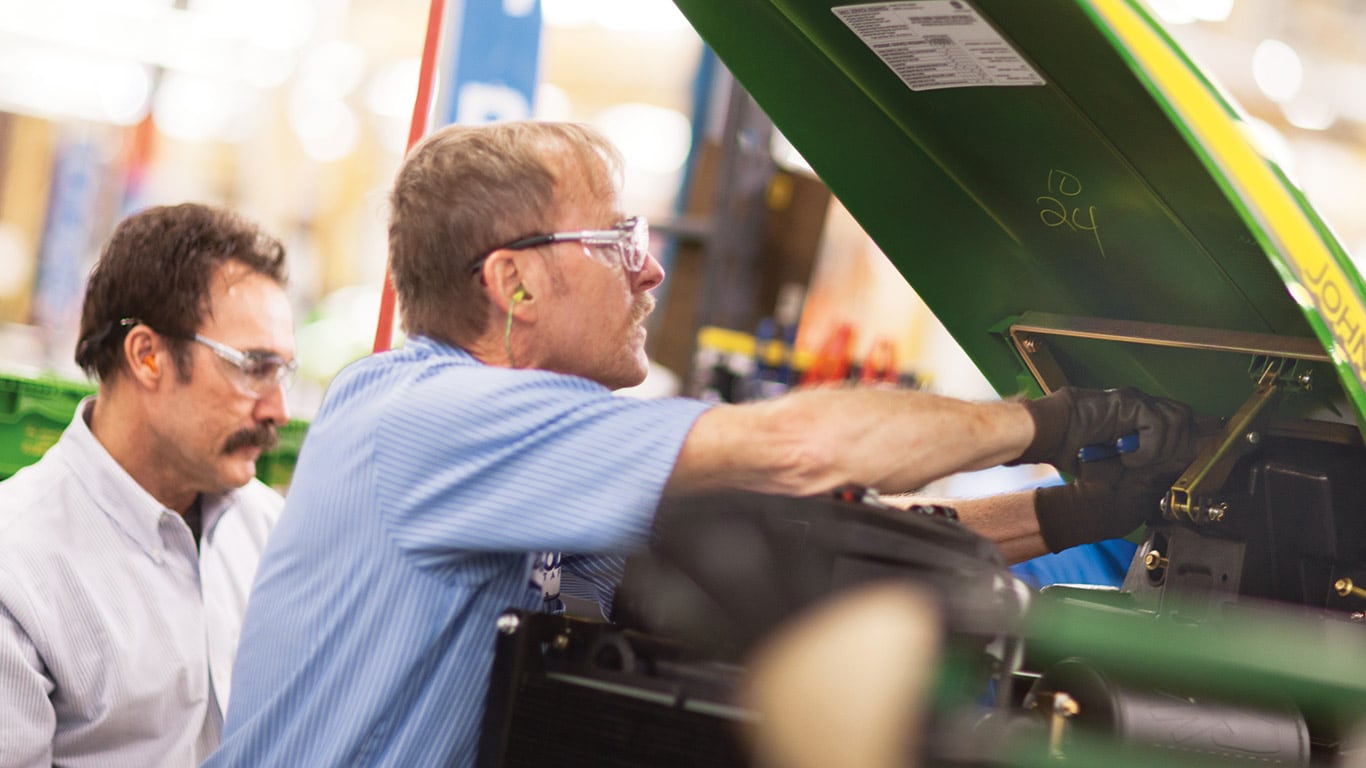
column 67, row 248
column 496, row 46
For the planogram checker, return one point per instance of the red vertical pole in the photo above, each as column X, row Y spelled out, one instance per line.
column 384, row 331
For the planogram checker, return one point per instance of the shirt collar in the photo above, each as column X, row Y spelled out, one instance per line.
column 115, row 491
column 211, row 509
column 426, row 345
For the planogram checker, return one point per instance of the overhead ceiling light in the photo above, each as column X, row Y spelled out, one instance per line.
column 327, row 128
column 196, row 108
column 1188, row 11
column 268, row 24
column 1210, row 10
column 125, row 92
column 620, row 15
column 1171, row 11
column 553, row 103
column 265, row 69
column 1312, row 113
column 251, row 41
column 565, row 13
column 63, row 83
column 389, row 96
column 1277, row 69
column 1349, row 80
column 651, row 138
column 392, row 90
column 331, row 70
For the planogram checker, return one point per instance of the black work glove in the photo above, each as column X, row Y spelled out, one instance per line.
column 1082, row 512
column 1071, row 418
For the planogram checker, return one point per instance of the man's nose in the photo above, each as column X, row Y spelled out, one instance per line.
column 651, row 274
column 271, row 407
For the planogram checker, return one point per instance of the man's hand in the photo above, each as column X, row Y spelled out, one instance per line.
column 1083, row 512
column 1072, row 418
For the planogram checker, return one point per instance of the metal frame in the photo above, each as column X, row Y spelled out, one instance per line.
column 1028, row 333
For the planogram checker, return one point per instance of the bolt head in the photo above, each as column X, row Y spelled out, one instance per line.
column 508, row 623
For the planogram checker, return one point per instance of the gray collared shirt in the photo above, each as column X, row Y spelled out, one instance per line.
column 116, row 636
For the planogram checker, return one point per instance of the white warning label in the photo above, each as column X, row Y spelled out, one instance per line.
column 933, row 44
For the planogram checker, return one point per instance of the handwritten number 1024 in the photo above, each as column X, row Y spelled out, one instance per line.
column 1059, row 207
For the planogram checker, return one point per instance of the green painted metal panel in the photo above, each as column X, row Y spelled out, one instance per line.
column 1087, row 195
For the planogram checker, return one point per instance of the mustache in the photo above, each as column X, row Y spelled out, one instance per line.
column 641, row 309
column 262, row 436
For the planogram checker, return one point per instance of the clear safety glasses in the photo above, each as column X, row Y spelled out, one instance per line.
column 629, row 239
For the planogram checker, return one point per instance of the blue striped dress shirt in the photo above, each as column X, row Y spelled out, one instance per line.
column 426, row 489
column 116, row 637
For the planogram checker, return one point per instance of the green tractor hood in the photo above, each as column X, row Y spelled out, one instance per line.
column 1069, row 195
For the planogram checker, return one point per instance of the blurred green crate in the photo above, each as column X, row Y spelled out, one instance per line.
column 276, row 467
column 33, row 413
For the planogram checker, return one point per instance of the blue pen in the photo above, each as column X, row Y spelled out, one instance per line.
column 1100, row 451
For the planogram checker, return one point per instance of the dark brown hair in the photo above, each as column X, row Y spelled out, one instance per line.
column 466, row 190
column 156, row 268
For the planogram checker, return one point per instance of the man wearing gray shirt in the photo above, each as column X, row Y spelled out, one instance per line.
column 128, row 550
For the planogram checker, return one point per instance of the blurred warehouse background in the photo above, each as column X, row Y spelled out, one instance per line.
column 296, row 112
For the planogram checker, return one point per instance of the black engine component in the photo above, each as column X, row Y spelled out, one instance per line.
column 1291, row 523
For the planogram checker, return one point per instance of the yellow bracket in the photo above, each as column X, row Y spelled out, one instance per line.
column 1213, row 465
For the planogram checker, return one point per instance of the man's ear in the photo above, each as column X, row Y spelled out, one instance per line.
column 506, row 275
column 144, row 354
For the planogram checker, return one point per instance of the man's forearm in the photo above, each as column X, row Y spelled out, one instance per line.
column 812, row 441
column 1007, row 519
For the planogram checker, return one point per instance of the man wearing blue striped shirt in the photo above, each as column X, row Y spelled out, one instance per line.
column 127, row 551
column 436, row 478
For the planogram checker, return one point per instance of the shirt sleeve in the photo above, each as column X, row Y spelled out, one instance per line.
column 30, row 722
column 500, row 460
